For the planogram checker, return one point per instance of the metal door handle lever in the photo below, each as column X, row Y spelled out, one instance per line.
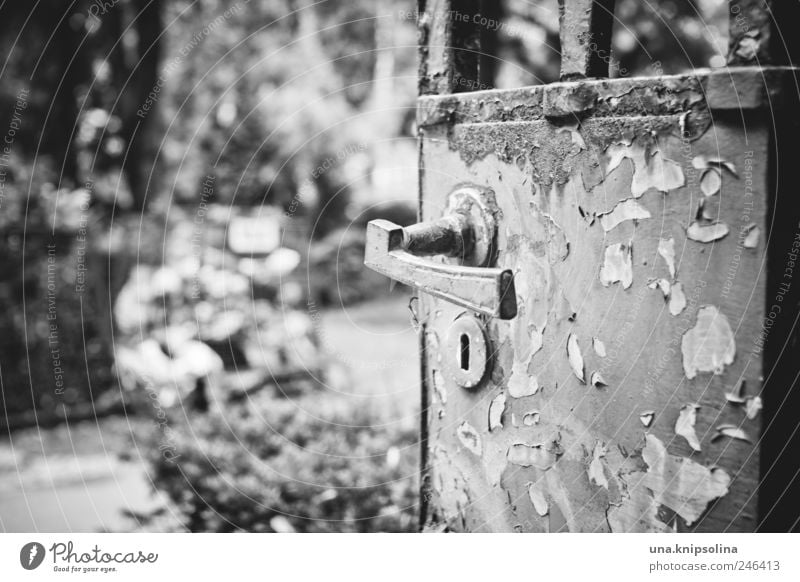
column 465, row 231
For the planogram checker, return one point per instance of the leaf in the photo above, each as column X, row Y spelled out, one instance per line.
column 496, row 409
column 706, row 233
column 711, row 182
column 685, row 425
column 666, row 248
column 470, row 438
column 709, row 346
column 575, row 357
column 617, row 266
column 628, row 209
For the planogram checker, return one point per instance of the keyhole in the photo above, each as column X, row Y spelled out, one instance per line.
column 464, row 352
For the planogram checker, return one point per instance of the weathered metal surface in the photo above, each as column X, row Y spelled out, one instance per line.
column 449, row 46
column 640, row 289
column 585, row 34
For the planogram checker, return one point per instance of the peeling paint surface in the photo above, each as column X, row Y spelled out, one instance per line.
column 685, row 425
column 596, row 467
column 539, row 455
column 706, row 233
column 562, row 209
column 617, row 267
column 575, row 358
column 681, row 484
column 599, row 347
column 753, row 406
column 709, row 346
column 536, row 494
column 732, row 431
column 666, row 248
column 496, row 409
column 677, row 299
column 651, row 170
column 470, row 438
column 626, row 210
column 751, row 238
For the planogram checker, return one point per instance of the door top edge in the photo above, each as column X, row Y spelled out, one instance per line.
column 730, row 88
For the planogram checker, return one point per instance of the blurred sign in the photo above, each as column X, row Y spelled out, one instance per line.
column 254, row 235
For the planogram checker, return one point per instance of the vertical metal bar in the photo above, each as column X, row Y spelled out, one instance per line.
column 449, row 45
column 585, row 31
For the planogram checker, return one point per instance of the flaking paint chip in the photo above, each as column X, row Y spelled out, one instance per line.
column 496, row 409
column 684, row 486
column 753, row 406
column 470, row 438
column 617, row 265
column 711, row 181
column 537, row 497
column 732, row 431
column 647, row 417
column 626, row 210
column 705, row 162
column 736, row 396
column 439, row 386
column 531, row 418
column 685, row 425
column 540, row 456
column 596, row 467
column 597, row 380
column 706, row 233
column 709, row 346
column 752, row 233
column 599, row 347
column 666, row 248
column 677, row 299
column 575, row 357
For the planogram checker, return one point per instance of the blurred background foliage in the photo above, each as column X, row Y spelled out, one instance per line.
column 304, row 110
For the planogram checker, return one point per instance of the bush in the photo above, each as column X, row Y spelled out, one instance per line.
column 319, row 464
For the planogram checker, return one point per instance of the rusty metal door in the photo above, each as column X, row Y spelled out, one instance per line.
column 607, row 301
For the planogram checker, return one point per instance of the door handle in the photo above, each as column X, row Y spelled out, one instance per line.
column 467, row 231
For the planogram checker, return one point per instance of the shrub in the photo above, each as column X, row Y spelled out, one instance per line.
column 318, row 464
